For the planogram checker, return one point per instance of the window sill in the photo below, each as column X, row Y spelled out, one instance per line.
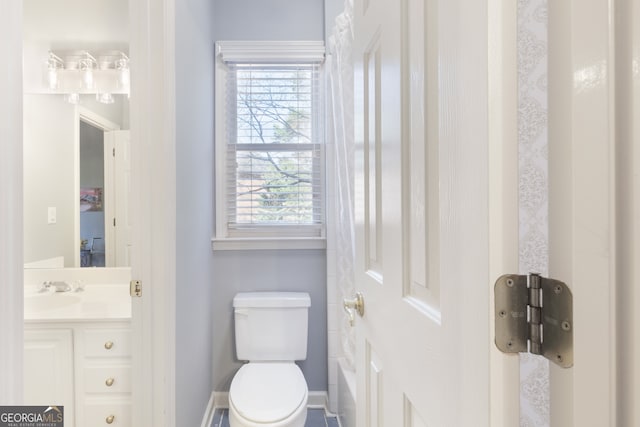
column 267, row 243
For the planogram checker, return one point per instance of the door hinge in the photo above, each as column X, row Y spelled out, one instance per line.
column 113, row 152
column 135, row 288
column 534, row 314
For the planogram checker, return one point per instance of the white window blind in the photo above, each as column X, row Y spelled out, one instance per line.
column 274, row 150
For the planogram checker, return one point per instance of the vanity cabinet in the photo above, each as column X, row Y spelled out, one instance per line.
column 104, row 365
column 85, row 366
column 48, row 369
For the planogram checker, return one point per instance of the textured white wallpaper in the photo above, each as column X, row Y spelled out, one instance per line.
column 533, row 188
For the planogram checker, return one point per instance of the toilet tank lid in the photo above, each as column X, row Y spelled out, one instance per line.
column 271, row 299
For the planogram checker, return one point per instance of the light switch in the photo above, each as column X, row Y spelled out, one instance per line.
column 51, row 215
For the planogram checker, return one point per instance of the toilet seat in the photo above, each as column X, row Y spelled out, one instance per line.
column 267, row 393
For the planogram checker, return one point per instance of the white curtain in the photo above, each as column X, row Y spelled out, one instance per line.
column 340, row 107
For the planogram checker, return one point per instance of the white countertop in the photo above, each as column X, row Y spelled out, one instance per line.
column 95, row 302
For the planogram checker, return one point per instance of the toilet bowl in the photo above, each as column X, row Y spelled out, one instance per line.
column 271, row 334
column 268, row 394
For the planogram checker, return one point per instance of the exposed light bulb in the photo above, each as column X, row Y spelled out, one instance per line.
column 53, row 64
column 125, row 78
column 52, row 78
column 122, row 65
column 105, row 98
column 87, row 64
column 72, row 98
column 87, row 78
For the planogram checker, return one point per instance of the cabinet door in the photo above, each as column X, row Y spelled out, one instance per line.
column 48, row 370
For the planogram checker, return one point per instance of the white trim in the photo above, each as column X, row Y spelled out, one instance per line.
column 264, row 51
column 316, row 400
column 11, row 204
column 152, row 202
column 583, row 211
column 503, row 196
column 221, row 399
column 207, row 419
column 627, row 34
column 95, row 120
column 232, row 244
column 282, row 51
column 219, row 148
column 632, row 267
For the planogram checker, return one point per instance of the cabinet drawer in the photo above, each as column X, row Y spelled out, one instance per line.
column 107, row 414
column 107, row 342
column 107, row 379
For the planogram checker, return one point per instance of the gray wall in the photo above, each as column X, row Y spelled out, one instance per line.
column 194, row 210
column 207, row 282
column 238, row 271
column 269, row 20
column 49, row 128
column 332, row 8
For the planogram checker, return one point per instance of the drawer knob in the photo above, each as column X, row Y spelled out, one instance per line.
column 108, row 345
column 110, row 419
column 109, row 382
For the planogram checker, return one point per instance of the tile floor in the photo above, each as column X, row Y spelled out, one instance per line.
column 315, row 418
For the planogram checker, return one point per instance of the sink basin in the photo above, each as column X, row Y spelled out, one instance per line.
column 94, row 302
column 49, row 301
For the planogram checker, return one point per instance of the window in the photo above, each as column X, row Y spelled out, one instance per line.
column 270, row 179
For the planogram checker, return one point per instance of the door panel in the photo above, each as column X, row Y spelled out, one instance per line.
column 420, row 152
column 427, row 72
column 118, row 219
column 590, row 203
column 123, row 191
column 372, row 151
column 422, row 191
column 375, row 402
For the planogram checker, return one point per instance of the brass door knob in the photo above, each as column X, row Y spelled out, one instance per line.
column 108, row 345
column 109, row 382
column 352, row 306
column 110, row 419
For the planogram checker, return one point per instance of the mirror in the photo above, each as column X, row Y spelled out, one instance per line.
column 75, row 134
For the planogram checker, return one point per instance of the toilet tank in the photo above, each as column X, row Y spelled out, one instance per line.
column 271, row 326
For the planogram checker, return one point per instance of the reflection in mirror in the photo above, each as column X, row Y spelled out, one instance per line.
column 92, row 218
column 74, row 186
column 76, row 83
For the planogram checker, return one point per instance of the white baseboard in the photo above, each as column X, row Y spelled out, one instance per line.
column 318, row 399
column 207, row 420
column 220, row 399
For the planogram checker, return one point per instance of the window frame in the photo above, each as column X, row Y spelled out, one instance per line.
column 268, row 237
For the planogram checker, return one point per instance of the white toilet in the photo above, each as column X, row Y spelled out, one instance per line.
column 271, row 333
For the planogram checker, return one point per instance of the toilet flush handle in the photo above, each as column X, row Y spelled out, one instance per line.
column 352, row 306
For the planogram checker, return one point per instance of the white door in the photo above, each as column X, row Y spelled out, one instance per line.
column 123, row 191
column 118, row 221
column 594, row 206
column 424, row 344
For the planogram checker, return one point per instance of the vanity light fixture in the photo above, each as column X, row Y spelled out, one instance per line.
column 87, row 65
column 122, row 65
column 72, row 98
column 105, row 98
column 77, row 72
column 54, row 63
